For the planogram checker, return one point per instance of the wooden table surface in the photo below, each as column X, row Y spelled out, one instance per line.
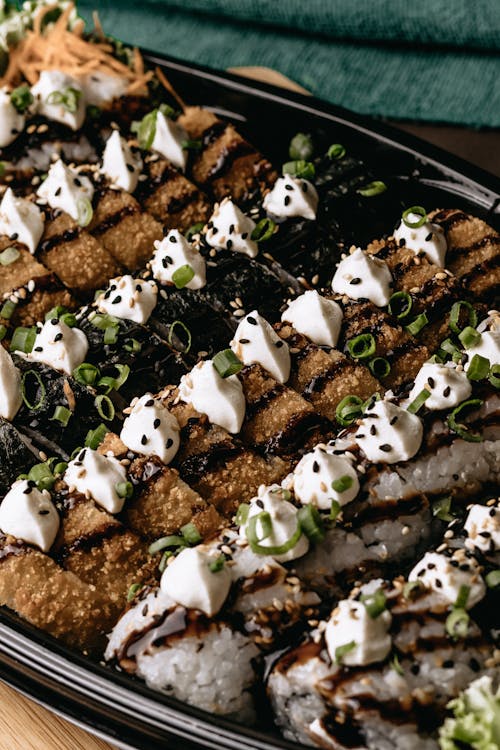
column 26, row 726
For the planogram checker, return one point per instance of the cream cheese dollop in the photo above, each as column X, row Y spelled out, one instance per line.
column 119, row 164
column 229, row 228
column 488, row 346
column 59, row 346
column 168, row 140
column 10, row 386
column 429, row 239
column 362, row 276
column 129, row 299
column 438, row 572
column 284, row 523
column 447, row 385
column 388, row 433
column 221, row 399
column 66, row 189
column 151, row 429
column 316, row 317
column 29, row 514
column 483, row 528
column 174, row 252
column 195, row 580
column 256, row 342
column 99, row 477
column 101, row 88
column 11, row 121
column 366, row 639
column 292, row 196
column 22, row 219
column 60, row 97
column 322, row 476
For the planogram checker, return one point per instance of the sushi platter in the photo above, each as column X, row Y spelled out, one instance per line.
column 249, row 409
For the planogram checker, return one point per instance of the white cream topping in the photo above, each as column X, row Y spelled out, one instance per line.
column 190, row 582
column 316, row 317
column 362, row 276
column 437, row 572
column 447, row 385
column 314, row 474
column 221, row 399
column 229, row 228
column 101, row 88
column 60, row 97
column 256, row 342
column 10, row 386
column 58, row 345
column 168, row 139
column 483, row 528
column 350, row 624
column 429, row 239
column 29, row 515
column 66, row 189
column 22, row 219
column 292, row 196
column 129, row 299
column 173, row 252
column 119, row 164
column 98, row 477
column 151, row 429
column 488, row 346
column 388, row 433
column 11, row 121
column 284, row 523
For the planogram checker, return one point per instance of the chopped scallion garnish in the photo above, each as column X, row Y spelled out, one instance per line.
column 302, row 169
column 62, row 414
column 166, row 542
column 217, row 565
column 372, row 189
column 493, row 579
column 68, row 98
column 380, row 367
column 7, row 310
column 186, row 331
column 182, row 276
column 456, row 316
column 400, row 305
column 348, row 410
column 335, row 509
column 362, row 346
column 86, row 374
column 133, row 590
column 9, row 255
column 104, row 407
column 23, row 340
column 192, row 145
column 110, row 383
column 85, row 212
column 311, row 523
column 124, row 489
column 301, row 147
column 336, row 151
column 95, row 437
column 469, row 337
column 265, row 525
column 342, row 483
column 463, row 595
column 374, row 603
column 132, row 345
column 417, row 211
column 39, row 387
column 460, row 428
column 396, row 665
column 21, row 98
column 494, row 376
column 457, row 624
column 412, row 589
column 416, row 325
column 227, row 363
column 263, row 230
column 191, row 534
column 479, row 368
column 441, row 509
column 241, row 516
column 195, row 229
column 341, row 651
column 418, row 401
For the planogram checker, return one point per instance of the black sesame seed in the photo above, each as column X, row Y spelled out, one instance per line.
column 251, row 320
column 279, row 344
column 415, row 669
column 229, row 244
column 244, row 235
column 169, row 443
column 474, row 664
column 145, row 610
column 54, row 321
column 287, row 200
column 130, row 167
column 14, row 236
column 355, row 281
column 43, row 512
column 289, row 187
column 156, row 423
column 359, row 436
column 231, row 228
column 431, row 566
column 431, row 382
column 244, row 341
column 493, row 512
column 315, row 467
column 116, row 300
column 385, row 447
column 402, row 242
column 144, row 440
column 373, row 430
column 455, row 477
column 38, row 348
column 77, row 182
column 259, row 503
column 150, row 402
column 58, row 337
column 138, row 288
column 439, row 585
column 305, row 187
column 58, row 191
column 429, row 237
column 448, row 664
column 447, row 391
column 172, row 238
column 28, row 490
column 394, row 420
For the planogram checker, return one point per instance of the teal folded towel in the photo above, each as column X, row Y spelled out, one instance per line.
column 435, row 60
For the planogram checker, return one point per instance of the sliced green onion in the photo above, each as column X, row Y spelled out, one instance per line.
column 68, row 98
column 195, row 229
column 469, row 337
column 412, row 589
column 311, row 523
column 302, row 169
column 416, row 325
column 463, row 595
column 68, row 319
column 42, row 475
column 8, row 309
column 396, row 665
column 110, row 335
column 461, row 429
column 370, row 401
column 85, row 212
column 217, row 565
column 348, row 410
column 418, row 211
column 479, row 368
column 493, row 579
column 441, row 509
column 342, row 483
column 192, row 145
column 241, row 516
column 166, row 542
column 146, row 129
column 336, row 151
column 62, row 414
column 55, row 312
column 372, row 189
column 455, row 315
column 494, row 376
column 3, row 331
column 191, row 534
column 374, row 603
column 335, row 509
column 182, row 276
column 75, row 453
column 133, row 589
column 400, row 305
column 227, row 363
column 21, row 98
column 265, row 521
column 111, row 383
column 448, row 349
column 341, row 651
column 168, row 111
column 186, row 331
column 301, row 147
column 418, row 401
column 40, row 386
column 2, row 168
column 103, row 321
column 362, row 346
column 104, row 407
column 457, row 624
column 263, row 230
column 164, row 560
column 86, row 374
column 380, row 367
column 124, row 489
column 60, row 468
column 23, row 340
column 95, row 437
column 9, row 255
column 132, row 345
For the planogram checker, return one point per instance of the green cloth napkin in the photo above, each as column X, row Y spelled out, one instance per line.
column 435, row 60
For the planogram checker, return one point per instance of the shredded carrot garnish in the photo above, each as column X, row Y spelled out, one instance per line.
column 168, row 86
column 59, row 48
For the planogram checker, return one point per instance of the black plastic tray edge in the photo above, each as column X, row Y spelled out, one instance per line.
column 80, row 690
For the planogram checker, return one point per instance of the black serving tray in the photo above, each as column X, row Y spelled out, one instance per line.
column 113, row 705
